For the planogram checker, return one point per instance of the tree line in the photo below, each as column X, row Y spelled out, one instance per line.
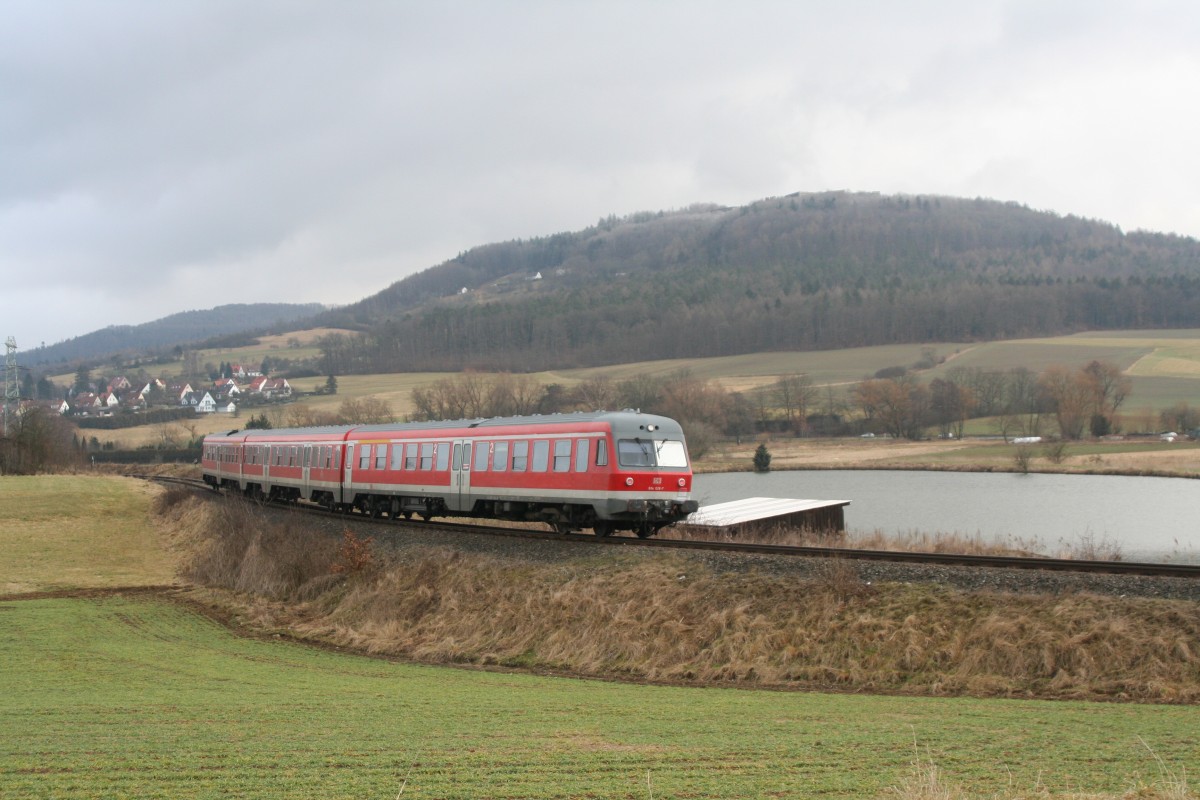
column 604, row 325
column 1059, row 401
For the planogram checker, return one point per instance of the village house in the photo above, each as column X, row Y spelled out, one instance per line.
column 153, row 384
column 84, row 403
column 132, row 400
column 179, row 391
column 274, row 388
column 202, row 402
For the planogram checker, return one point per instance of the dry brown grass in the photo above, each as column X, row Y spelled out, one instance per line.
column 903, row 541
column 672, row 620
column 240, row 546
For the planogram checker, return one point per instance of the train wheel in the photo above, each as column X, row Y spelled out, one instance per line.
column 646, row 530
column 603, row 529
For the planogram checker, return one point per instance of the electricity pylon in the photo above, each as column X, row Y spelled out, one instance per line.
column 12, row 385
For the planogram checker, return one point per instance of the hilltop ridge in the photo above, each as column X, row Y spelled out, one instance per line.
column 806, row 271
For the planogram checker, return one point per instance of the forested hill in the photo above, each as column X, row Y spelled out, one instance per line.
column 806, row 271
column 161, row 335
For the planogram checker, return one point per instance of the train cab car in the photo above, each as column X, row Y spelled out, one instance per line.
column 607, row 471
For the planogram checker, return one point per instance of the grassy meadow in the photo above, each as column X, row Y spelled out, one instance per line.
column 129, row 694
column 79, row 532
column 126, row 697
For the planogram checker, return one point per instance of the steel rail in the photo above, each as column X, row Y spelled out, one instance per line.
column 743, row 548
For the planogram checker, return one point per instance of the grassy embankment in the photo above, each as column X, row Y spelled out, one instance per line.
column 131, row 695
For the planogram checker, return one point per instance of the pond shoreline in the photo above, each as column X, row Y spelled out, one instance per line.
column 1128, row 458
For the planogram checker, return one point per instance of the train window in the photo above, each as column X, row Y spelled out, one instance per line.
column 581, row 455
column 466, row 455
column 397, row 456
column 635, row 453
column 337, row 458
column 427, row 456
column 601, row 452
column 381, row 456
column 482, row 453
column 410, row 457
column 457, row 457
column 670, row 453
column 520, row 451
column 541, row 455
column 500, row 456
column 562, row 455
column 364, row 457
column 443, row 456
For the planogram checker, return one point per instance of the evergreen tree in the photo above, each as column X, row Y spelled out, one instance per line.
column 83, row 379
column 259, row 423
column 762, row 458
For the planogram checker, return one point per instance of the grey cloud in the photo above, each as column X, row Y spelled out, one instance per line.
column 319, row 151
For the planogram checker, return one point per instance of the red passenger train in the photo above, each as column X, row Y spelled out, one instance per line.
column 608, row 471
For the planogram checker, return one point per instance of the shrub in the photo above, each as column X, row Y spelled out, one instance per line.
column 762, row 458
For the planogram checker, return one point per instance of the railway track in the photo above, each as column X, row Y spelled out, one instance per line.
column 743, row 548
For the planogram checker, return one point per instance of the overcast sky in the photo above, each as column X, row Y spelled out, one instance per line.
column 158, row 157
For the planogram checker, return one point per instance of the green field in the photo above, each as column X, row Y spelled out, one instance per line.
column 75, row 531
column 122, row 697
column 1164, row 366
column 128, row 694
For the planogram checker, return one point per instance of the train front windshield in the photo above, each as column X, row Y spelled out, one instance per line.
column 652, row 453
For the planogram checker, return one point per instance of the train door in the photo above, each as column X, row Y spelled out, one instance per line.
column 306, row 465
column 460, row 476
column 347, row 465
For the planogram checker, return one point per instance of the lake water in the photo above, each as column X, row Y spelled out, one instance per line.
column 1150, row 519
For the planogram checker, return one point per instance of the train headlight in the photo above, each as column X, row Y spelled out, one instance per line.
column 682, row 483
column 629, row 481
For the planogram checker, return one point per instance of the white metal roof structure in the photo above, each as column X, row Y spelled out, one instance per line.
column 757, row 509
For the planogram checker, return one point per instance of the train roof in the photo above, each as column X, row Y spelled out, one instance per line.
column 628, row 420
